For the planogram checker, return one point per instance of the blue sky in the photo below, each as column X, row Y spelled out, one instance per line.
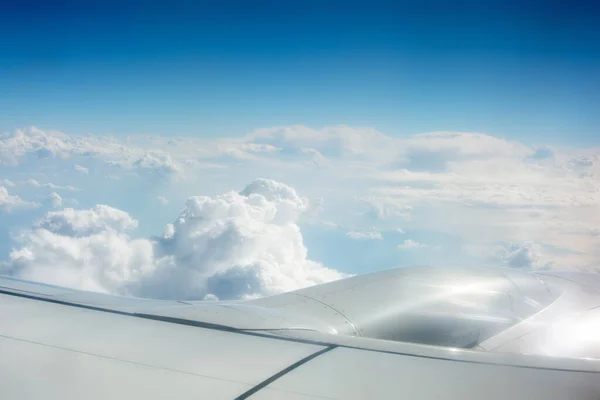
column 526, row 70
column 367, row 135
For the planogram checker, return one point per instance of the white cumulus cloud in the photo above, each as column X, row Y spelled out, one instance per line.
column 54, row 200
column 159, row 162
column 10, row 203
column 83, row 223
column 234, row 245
column 524, row 255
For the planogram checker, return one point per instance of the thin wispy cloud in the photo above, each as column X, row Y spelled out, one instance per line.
column 370, row 235
column 410, row 244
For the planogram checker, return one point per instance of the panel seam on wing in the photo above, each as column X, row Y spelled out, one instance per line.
column 87, row 353
column 332, row 308
column 283, row 372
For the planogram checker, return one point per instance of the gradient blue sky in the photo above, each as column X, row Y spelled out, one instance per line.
column 524, row 70
column 327, row 97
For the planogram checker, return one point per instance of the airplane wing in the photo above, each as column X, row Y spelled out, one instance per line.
column 414, row 333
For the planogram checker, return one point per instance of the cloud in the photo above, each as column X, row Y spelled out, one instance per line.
column 364, row 235
column 480, row 189
column 54, row 200
column 162, row 200
column 410, row 244
column 524, row 255
column 10, row 203
column 582, row 161
column 328, row 224
column 314, row 157
column 80, row 169
column 32, row 142
column 384, row 208
column 143, row 153
column 83, row 223
column 464, row 146
column 15, row 145
column 333, row 141
column 34, row 183
column 7, row 183
column 159, row 162
column 234, row 245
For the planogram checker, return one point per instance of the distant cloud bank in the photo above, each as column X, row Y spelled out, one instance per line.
column 502, row 202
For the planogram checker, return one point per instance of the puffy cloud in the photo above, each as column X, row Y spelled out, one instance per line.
column 15, row 145
column 10, row 203
column 162, row 200
column 234, row 245
column 54, row 200
column 83, row 223
column 7, row 183
column 81, row 169
column 159, row 162
column 364, row 235
column 84, row 249
column 522, row 255
column 410, row 244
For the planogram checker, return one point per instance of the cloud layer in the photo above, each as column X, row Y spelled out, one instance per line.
column 500, row 201
column 234, row 245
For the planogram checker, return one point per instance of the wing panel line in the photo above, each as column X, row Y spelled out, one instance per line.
column 122, row 360
column 284, row 371
column 179, row 321
column 336, row 311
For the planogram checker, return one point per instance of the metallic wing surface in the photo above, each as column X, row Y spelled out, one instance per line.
column 414, row 333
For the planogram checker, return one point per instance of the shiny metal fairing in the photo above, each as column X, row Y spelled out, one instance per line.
column 475, row 331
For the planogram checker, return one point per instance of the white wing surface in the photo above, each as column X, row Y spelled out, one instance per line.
column 343, row 340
